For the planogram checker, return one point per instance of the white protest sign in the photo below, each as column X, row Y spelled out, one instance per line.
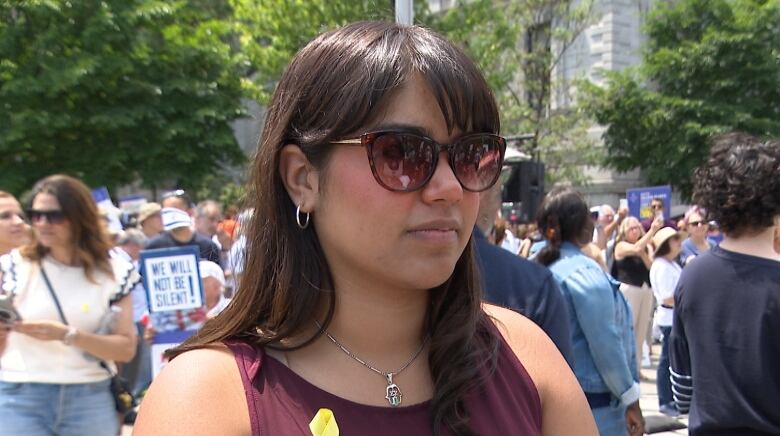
column 172, row 278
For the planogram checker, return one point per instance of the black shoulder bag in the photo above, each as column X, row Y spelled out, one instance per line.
column 123, row 398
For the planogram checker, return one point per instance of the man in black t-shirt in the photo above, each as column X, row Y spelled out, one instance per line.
column 725, row 341
column 178, row 233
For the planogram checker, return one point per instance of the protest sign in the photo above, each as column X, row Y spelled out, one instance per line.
column 639, row 201
column 163, row 342
column 172, row 278
column 131, row 204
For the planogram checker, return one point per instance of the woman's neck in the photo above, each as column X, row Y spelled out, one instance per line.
column 384, row 326
column 62, row 255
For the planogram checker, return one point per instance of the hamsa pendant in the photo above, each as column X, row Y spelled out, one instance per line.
column 393, row 392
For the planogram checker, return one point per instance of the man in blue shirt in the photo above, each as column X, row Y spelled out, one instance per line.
column 525, row 287
column 519, row 284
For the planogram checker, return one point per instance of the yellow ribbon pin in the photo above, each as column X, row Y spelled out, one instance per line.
column 324, row 424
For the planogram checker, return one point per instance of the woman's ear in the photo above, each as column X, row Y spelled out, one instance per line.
column 300, row 178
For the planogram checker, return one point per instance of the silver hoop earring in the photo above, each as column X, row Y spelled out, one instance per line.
column 298, row 220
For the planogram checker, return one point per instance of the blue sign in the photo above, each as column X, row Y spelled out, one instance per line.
column 100, row 195
column 172, row 278
column 639, row 200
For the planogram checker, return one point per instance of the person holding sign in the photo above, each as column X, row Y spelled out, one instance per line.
column 360, row 294
column 64, row 285
column 179, row 233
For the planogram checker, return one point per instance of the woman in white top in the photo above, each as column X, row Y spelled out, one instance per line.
column 664, row 274
column 51, row 379
column 632, row 261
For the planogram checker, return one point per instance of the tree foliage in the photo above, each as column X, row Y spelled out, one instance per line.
column 710, row 66
column 114, row 91
column 518, row 44
column 272, row 31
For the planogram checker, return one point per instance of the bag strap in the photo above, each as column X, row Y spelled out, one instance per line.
column 53, row 295
column 46, row 280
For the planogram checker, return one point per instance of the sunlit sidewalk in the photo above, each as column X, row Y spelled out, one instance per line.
column 649, row 399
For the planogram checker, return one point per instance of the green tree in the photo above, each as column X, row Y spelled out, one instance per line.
column 518, row 44
column 710, row 66
column 492, row 32
column 114, row 91
column 272, row 31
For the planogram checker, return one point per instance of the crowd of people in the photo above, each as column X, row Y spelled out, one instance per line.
column 74, row 294
column 369, row 288
column 653, row 266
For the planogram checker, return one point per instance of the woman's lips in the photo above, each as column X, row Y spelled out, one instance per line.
column 441, row 231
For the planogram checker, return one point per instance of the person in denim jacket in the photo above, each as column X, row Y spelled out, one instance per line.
column 600, row 319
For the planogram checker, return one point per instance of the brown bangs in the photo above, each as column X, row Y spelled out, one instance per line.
column 346, row 92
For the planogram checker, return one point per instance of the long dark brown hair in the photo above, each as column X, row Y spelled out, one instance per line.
column 90, row 243
column 563, row 217
column 335, row 86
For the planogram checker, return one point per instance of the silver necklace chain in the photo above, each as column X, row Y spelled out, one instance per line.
column 368, row 365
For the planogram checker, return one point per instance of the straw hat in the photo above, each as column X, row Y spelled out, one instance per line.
column 662, row 236
column 147, row 210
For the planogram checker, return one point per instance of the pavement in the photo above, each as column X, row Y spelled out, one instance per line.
column 648, row 400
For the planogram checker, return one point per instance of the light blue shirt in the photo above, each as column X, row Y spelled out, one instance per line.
column 601, row 326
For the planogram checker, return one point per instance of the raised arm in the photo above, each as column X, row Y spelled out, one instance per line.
column 624, row 249
column 611, row 228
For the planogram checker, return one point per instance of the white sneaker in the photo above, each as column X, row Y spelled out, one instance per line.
column 646, row 363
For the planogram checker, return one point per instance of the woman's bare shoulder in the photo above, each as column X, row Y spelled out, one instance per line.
column 198, row 392
column 528, row 341
column 564, row 408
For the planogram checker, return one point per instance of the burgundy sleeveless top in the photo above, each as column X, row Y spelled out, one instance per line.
column 282, row 403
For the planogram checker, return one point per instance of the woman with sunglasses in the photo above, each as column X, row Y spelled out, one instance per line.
column 63, row 283
column 14, row 230
column 698, row 241
column 359, row 303
column 632, row 268
column 599, row 316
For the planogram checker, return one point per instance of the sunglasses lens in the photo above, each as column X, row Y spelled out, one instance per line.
column 52, row 216
column 56, row 217
column 402, row 162
column 477, row 161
